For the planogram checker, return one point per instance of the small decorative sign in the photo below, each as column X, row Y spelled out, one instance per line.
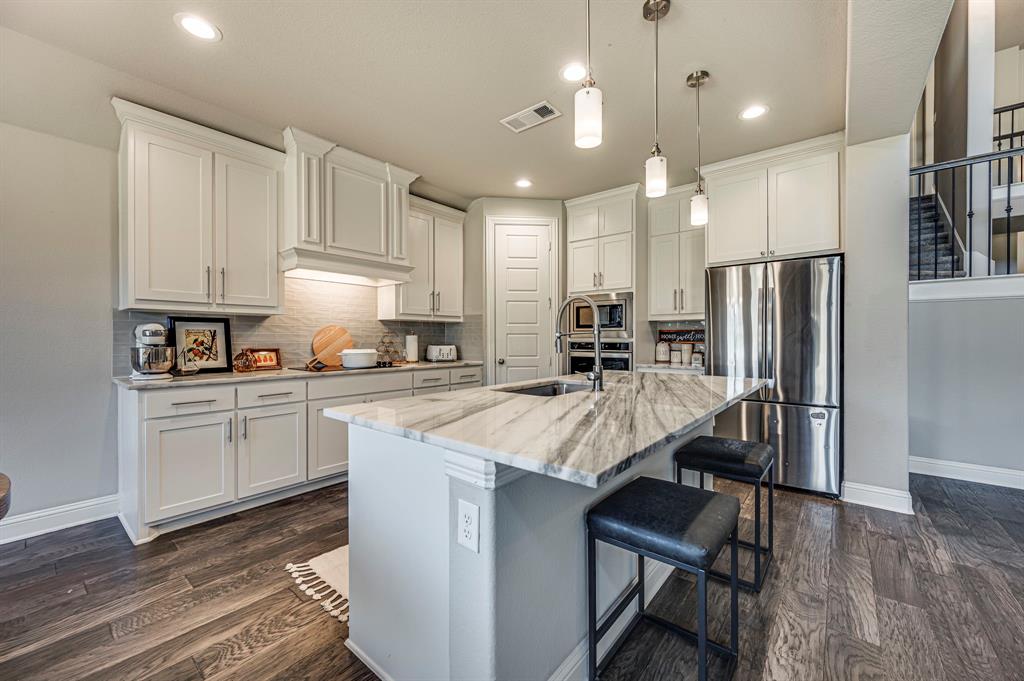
column 269, row 358
column 681, row 335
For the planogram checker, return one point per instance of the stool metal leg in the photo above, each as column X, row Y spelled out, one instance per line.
column 702, row 626
column 734, row 589
column 771, row 508
column 757, row 534
column 591, row 607
column 641, row 598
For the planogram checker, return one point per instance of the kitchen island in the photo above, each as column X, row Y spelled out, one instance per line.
column 466, row 518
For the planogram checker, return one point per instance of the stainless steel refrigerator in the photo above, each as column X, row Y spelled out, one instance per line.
column 783, row 320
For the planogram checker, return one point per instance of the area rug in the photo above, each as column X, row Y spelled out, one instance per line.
column 325, row 579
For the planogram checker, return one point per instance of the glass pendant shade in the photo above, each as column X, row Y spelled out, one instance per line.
column 699, row 209
column 588, row 117
column 656, row 171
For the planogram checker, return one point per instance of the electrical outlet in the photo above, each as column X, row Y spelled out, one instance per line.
column 469, row 525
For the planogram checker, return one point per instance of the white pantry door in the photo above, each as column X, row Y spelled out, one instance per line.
column 523, row 337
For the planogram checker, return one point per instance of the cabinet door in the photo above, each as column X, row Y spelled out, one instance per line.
column 328, row 439
column 803, row 205
column 271, row 448
column 616, row 217
column 190, row 464
column 415, row 297
column 171, row 219
column 447, row 268
column 738, row 216
column 616, row 262
column 582, row 223
column 663, row 216
column 663, row 280
column 691, row 272
column 583, row 266
column 356, row 216
column 246, row 228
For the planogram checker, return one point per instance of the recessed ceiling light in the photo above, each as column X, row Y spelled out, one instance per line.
column 574, row 72
column 198, row 27
column 753, row 111
column 523, row 183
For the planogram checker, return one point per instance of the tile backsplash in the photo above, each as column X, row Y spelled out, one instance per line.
column 310, row 305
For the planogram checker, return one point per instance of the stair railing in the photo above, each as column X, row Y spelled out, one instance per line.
column 974, row 202
column 1009, row 134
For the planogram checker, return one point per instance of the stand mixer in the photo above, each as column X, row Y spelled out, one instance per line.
column 152, row 358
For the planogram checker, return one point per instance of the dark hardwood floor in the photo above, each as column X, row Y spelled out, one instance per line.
column 855, row 594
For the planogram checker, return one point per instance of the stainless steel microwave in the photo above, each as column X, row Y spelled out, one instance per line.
column 614, row 312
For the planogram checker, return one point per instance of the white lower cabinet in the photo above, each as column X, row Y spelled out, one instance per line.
column 189, row 464
column 271, row 448
column 327, row 445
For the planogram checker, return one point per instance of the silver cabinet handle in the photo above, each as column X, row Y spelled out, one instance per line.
column 275, row 394
column 600, row 278
column 209, row 290
column 675, row 304
column 223, row 284
column 231, row 422
column 183, row 404
column 438, row 302
column 595, row 279
column 429, row 380
column 464, row 376
column 430, row 297
column 245, row 427
column 771, row 252
column 682, row 299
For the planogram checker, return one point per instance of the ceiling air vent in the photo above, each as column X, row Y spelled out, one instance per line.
column 528, row 118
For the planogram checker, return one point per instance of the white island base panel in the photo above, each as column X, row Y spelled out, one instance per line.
column 423, row 606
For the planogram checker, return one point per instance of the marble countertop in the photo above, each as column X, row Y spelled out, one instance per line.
column 583, row 437
column 279, row 374
column 671, row 367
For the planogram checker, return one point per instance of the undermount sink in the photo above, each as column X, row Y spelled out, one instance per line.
column 553, row 389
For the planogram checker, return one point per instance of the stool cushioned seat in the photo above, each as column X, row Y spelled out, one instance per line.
column 682, row 523
column 726, row 456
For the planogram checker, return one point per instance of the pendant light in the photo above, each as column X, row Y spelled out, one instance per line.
column 588, row 105
column 656, row 167
column 699, row 200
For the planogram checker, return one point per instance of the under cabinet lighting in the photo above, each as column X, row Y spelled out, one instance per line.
column 198, row 27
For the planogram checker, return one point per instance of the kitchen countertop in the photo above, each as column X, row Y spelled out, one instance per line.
column 583, row 437
column 664, row 366
column 279, row 374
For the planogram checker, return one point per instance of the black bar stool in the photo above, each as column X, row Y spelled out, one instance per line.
column 749, row 462
column 683, row 526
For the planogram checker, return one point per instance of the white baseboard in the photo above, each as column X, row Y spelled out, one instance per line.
column 885, row 498
column 968, row 472
column 574, row 667
column 25, row 525
column 367, row 660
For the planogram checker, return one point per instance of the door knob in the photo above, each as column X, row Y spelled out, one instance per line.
column 501, row 361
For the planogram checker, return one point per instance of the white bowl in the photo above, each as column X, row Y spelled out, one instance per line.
column 358, row 358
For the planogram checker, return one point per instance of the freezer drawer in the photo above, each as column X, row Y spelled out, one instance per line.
column 806, row 440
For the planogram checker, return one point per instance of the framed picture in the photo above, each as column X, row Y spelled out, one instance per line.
column 205, row 340
column 269, row 358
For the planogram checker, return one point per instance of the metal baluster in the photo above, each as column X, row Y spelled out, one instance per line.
column 999, row 146
column 1009, row 204
column 970, row 219
column 952, row 228
column 988, row 191
column 920, row 195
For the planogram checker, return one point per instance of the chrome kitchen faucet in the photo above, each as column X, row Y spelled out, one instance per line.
column 596, row 377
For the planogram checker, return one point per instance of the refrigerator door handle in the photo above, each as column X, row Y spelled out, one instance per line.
column 769, row 325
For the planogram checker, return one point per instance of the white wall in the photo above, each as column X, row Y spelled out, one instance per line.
column 966, row 378
column 58, row 223
column 876, row 313
column 1009, row 76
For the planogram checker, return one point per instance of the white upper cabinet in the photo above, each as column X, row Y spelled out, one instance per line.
column 246, row 228
column 738, row 216
column 778, row 203
column 199, row 217
column 803, row 205
column 434, row 236
column 602, row 233
column 676, row 253
column 345, row 213
column 355, row 205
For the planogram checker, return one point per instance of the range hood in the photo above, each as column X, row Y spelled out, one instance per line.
column 345, row 215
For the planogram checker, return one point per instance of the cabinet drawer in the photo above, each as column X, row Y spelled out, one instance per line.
column 359, row 384
column 430, row 379
column 467, row 374
column 271, row 392
column 427, row 391
column 182, row 401
column 467, row 386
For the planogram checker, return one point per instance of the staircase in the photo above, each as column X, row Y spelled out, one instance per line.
column 938, row 257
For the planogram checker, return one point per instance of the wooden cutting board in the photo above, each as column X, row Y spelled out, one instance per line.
column 328, row 343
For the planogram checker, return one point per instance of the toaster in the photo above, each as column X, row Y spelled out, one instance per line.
column 441, row 353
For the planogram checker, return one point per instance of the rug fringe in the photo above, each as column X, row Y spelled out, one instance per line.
column 311, row 584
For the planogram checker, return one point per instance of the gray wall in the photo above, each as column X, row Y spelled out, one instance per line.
column 966, row 377
column 876, row 309
column 58, row 221
column 951, row 114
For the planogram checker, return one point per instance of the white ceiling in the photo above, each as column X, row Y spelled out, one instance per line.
column 423, row 83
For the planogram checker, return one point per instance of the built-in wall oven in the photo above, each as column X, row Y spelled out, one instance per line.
column 614, row 312
column 615, row 356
